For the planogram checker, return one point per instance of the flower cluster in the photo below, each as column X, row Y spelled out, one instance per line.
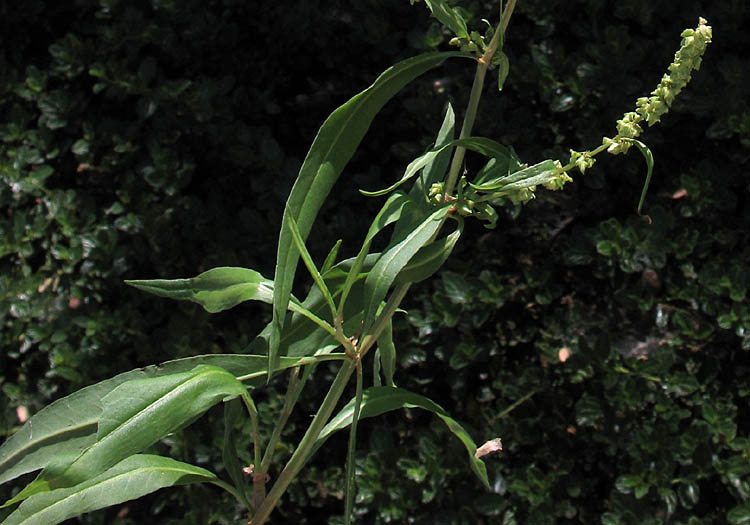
column 686, row 60
column 558, row 180
column 582, row 160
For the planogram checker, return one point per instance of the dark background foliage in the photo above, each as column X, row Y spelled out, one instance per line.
column 159, row 139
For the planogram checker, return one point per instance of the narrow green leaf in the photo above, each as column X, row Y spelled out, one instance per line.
column 129, row 479
column 215, row 290
column 502, row 70
column 378, row 400
column 386, row 354
column 435, row 170
column 393, row 260
column 646, row 152
column 430, row 258
column 449, row 17
column 525, row 178
column 496, row 168
column 300, row 337
column 69, row 425
column 388, row 214
column 482, row 145
column 330, row 259
column 135, row 415
column 309, row 263
column 336, row 142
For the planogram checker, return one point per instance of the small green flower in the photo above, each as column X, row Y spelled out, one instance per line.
column 558, row 180
column 436, row 193
column 522, row 195
column 582, row 160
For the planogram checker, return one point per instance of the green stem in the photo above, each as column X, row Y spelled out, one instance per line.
column 384, row 318
column 259, row 486
column 350, row 466
column 303, row 450
column 289, row 401
column 483, row 63
column 570, row 165
column 468, row 124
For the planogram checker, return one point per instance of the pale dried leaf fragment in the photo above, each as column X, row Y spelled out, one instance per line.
column 679, row 193
column 493, row 445
column 22, row 413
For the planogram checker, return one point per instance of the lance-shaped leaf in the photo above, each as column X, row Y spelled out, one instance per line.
column 330, row 259
column 215, row 290
column 386, row 354
column 69, row 425
column 129, row 479
column 430, row 258
column 299, row 243
column 483, row 145
column 388, row 214
column 336, row 142
column 649, row 157
column 300, row 337
column 497, row 168
column 525, row 178
column 393, row 260
column 379, row 400
column 434, row 171
column 134, row 416
column 449, row 17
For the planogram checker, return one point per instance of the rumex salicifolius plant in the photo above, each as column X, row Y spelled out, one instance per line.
column 92, row 446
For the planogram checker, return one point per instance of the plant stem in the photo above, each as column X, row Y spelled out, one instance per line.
column 289, row 400
column 384, row 318
column 350, row 461
column 468, row 124
column 258, row 478
column 483, row 63
column 302, row 452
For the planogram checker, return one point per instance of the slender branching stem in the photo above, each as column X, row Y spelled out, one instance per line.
column 384, row 318
column 350, row 461
column 289, row 401
column 483, row 63
column 304, row 449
